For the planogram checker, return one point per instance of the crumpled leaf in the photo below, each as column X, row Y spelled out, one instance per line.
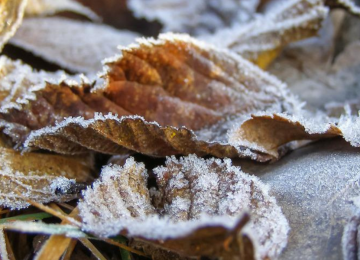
column 194, row 17
column 40, row 177
column 268, row 132
column 11, row 14
column 315, row 187
column 262, row 39
column 74, row 45
column 175, row 81
column 198, row 209
column 349, row 5
column 50, row 7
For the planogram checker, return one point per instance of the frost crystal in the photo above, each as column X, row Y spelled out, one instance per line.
column 194, row 194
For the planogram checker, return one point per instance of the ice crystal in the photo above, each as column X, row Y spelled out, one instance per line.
column 194, row 194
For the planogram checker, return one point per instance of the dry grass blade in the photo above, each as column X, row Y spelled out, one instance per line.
column 6, row 252
column 92, row 249
column 69, row 250
column 56, row 245
column 60, row 214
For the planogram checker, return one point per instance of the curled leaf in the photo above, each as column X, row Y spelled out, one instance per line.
column 11, row 14
column 266, row 133
column 262, row 39
column 180, row 83
column 50, row 7
column 198, row 209
column 74, row 45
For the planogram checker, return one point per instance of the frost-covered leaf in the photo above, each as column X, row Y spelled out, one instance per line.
column 194, row 17
column 327, row 66
column 262, row 39
column 268, row 132
column 315, row 187
column 198, row 210
column 74, row 45
column 50, row 7
column 182, row 84
column 39, row 177
column 11, row 14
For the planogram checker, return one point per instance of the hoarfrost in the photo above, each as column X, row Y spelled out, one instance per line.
column 193, row 194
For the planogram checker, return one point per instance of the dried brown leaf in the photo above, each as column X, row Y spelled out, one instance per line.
column 268, row 132
column 74, row 45
column 262, row 39
column 198, row 210
column 40, row 177
column 11, row 14
column 175, row 81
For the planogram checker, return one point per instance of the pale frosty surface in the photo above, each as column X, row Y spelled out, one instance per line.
column 195, row 17
column 193, row 193
column 315, row 187
column 75, row 45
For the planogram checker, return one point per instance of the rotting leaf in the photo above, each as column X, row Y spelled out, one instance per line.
column 40, row 177
column 50, row 7
column 182, row 84
column 11, row 14
column 262, row 39
column 194, row 17
column 74, row 45
column 198, row 210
